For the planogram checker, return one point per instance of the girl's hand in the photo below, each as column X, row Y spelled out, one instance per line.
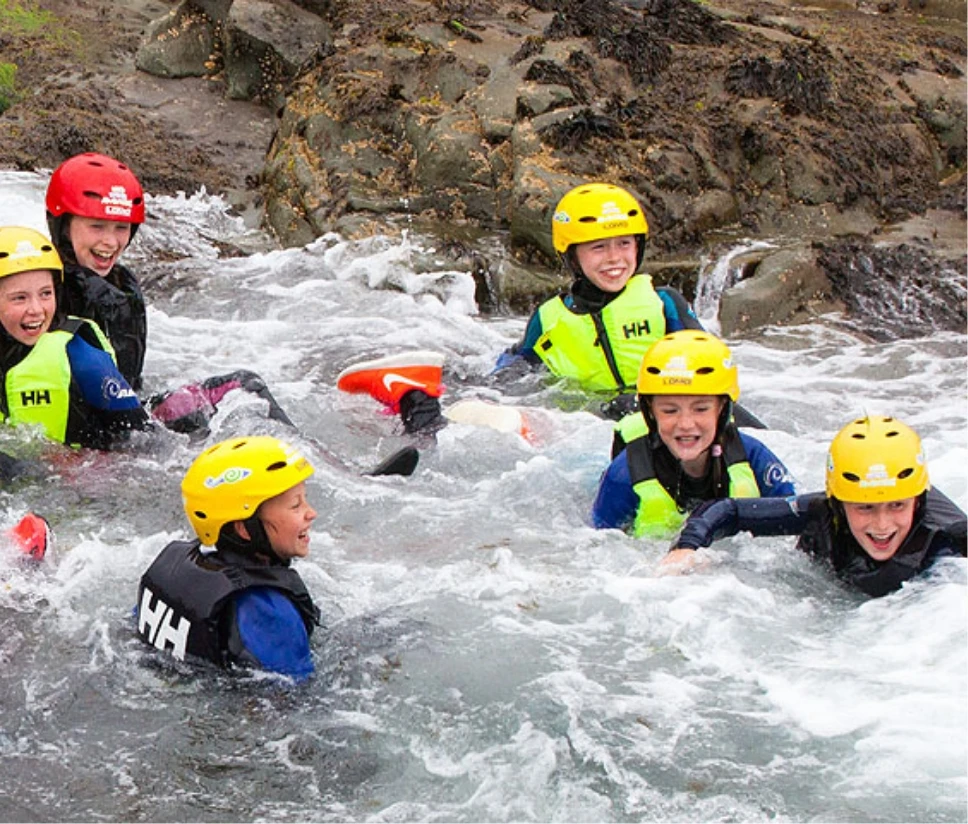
column 678, row 562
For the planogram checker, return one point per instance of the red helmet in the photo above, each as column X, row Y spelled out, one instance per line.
column 98, row 186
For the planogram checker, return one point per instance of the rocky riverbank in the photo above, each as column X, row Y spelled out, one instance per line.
column 835, row 130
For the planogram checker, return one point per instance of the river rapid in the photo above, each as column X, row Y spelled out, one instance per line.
column 485, row 654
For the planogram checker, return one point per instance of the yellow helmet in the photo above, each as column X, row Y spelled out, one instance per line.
column 689, row 362
column 595, row 211
column 26, row 250
column 229, row 481
column 875, row 460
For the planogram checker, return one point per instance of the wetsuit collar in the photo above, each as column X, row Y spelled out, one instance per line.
column 588, row 298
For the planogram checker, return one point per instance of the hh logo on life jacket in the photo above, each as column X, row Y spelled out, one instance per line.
column 636, row 330
column 155, row 626
column 40, row 397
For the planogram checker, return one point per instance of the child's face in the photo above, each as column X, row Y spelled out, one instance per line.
column 880, row 529
column 287, row 518
column 27, row 304
column 98, row 243
column 608, row 263
column 687, row 426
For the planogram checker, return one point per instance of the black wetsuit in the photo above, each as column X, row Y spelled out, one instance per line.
column 938, row 531
column 117, row 305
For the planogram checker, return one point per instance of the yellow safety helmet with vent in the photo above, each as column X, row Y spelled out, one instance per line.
column 27, row 250
column 229, row 481
column 594, row 211
column 689, row 362
column 875, row 460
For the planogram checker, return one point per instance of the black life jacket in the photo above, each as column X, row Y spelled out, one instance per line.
column 117, row 304
column 183, row 596
column 829, row 537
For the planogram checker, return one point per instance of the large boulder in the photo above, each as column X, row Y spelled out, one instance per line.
column 180, row 44
column 266, row 43
column 785, row 285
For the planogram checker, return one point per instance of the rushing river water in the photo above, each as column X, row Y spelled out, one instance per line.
column 486, row 655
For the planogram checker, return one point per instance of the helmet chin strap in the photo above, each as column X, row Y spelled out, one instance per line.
column 258, row 538
column 570, row 261
column 58, row 234
column 725, row 414
column 257, row 542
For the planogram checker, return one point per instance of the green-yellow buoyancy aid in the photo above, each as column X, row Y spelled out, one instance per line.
column 572, row 347
column 38, row 388
column 657, row 515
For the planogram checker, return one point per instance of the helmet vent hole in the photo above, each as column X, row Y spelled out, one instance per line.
column 200, row 515
column 859, row 436
column 633, row 212
column 277, row 465
column 94, row 195
column 588, row 219
column 850, row 476
column 705, row 370
column 654, row 370
column 892, row 434
column 905, row 473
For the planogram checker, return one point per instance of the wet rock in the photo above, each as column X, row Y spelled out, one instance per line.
column 896, row 291
column 813, row 122
column 180, row 44
column 266, row 42
column 714, row 209
column 784, row 285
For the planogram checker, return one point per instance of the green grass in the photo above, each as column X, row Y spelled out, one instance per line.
column 24, row 18
column 8, row 86
column 30, row 31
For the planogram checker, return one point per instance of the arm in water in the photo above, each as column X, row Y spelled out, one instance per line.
column 190, row 408
column 267, row 632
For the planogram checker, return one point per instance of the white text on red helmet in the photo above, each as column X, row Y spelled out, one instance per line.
column 117, row 202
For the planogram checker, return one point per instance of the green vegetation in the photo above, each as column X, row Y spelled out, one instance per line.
column 8, row 86
column 23, row 18
column 27, row 31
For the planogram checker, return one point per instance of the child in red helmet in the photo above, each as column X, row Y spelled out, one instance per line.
column 95, row 205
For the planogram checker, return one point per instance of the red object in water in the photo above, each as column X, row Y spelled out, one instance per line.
column 31, row 535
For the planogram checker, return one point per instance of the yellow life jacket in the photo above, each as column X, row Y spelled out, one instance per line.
column 603, row 350
column 38, row 389
column 658, row 516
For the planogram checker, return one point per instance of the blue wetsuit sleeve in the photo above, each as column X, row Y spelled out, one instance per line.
column 772, row 477
column 722, row 518
column 523, row 350
column 272, row 632
column 101, row 384
column 616, row 502
column 678, row 313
